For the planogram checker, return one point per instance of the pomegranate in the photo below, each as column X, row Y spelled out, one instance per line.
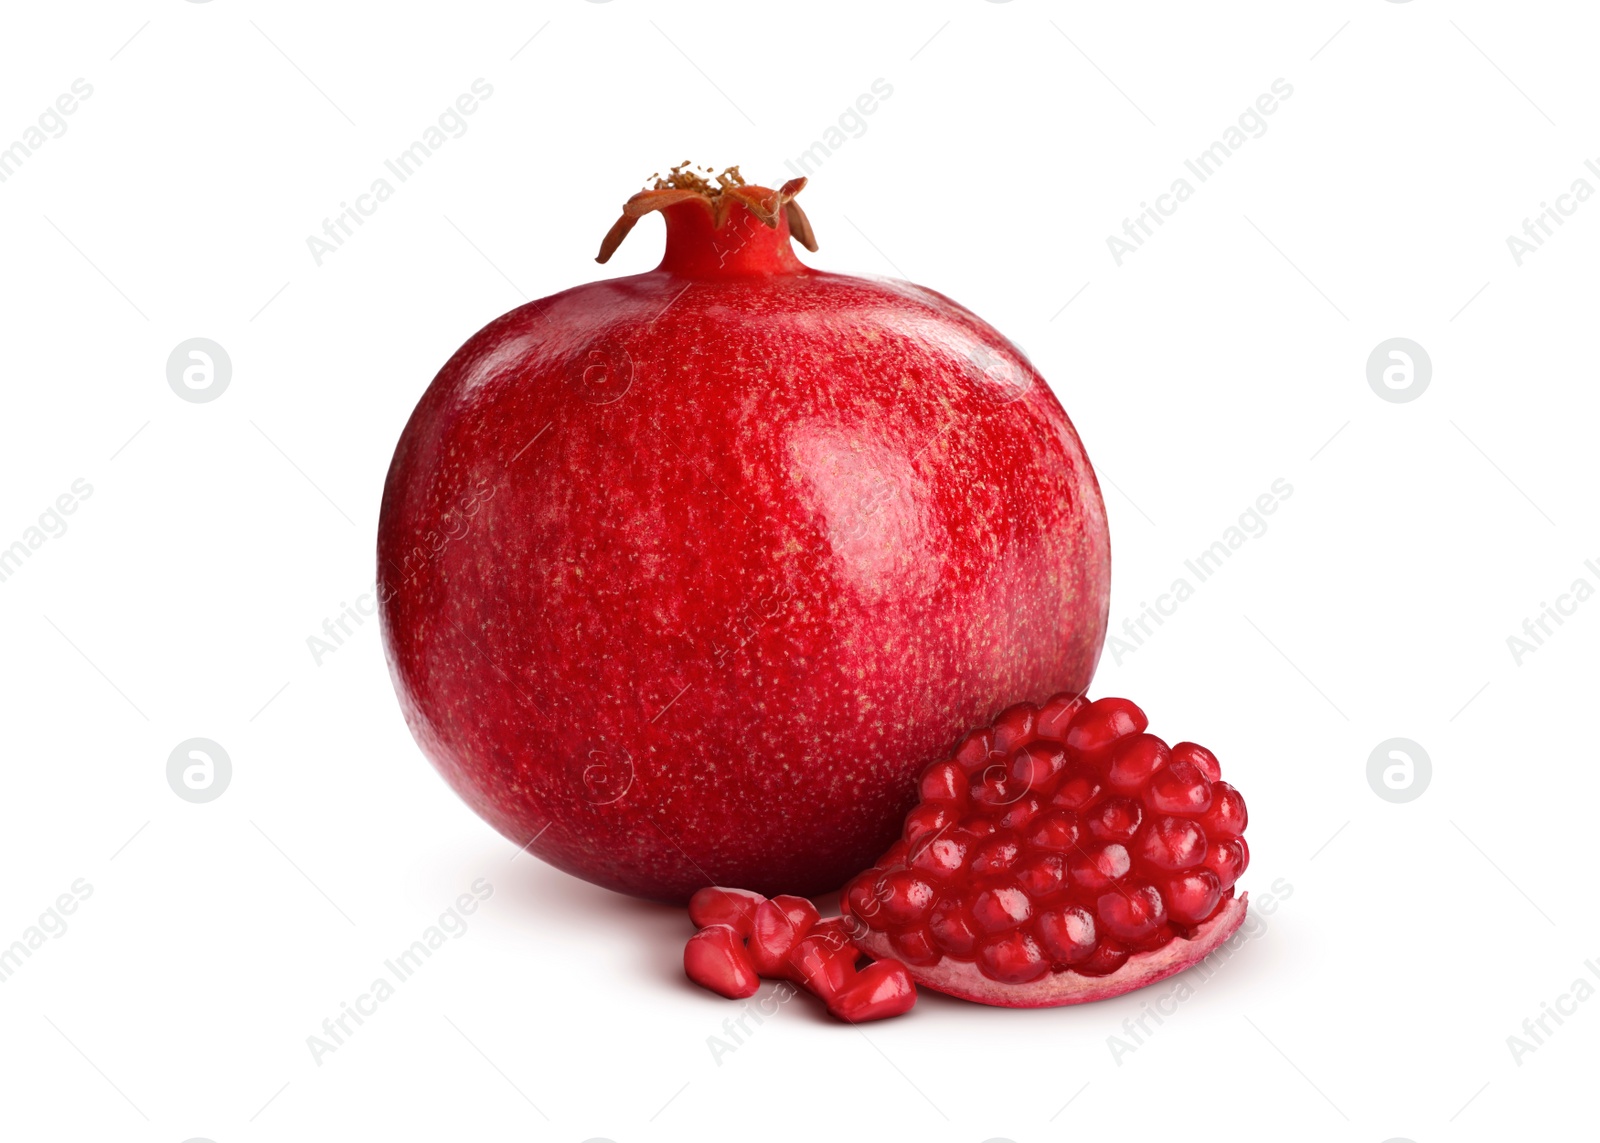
column 742, row 934
column 685, row 576
column 1062, row 855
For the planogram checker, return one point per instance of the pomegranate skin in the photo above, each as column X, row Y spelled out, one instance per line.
column 686, row 576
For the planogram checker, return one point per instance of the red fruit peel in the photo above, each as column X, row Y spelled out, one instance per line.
column 684, row 576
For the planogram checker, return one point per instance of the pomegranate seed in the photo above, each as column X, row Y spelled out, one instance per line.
column 1000, row 908
column 993, row 789
column 884, row 988
column 1228, row 859
column 1057, row 714
column 941, row 856
column 1042, row 874
column 716, row 905
column 1067, row 934
column 952, row 927
column 943, row 782
column 823, row 962
column 1179, row 788
column 1227, row 817
column 1192, row 897
column 778, row 925
column 716, row 958
column 1135, row 760
column 1109, row 955
column 927, row 820
column 1019, row 813
column 1104, row 721
column 1014, row 958
column 1172, row 843
column 916, row 946
column 906, row 897
column 1057, row 830
column 1133, row 913
column 973, row 753
column 1033, row 766
column 1014, row 727
column 1115, row 819
column 1093, row 872
column 997, row 854
column 1205, row 761
column 1077, row 790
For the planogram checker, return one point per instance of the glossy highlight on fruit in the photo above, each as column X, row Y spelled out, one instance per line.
column 685, row 576
column 1062, row 855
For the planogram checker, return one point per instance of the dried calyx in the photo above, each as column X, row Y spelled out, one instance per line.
column 718, row 194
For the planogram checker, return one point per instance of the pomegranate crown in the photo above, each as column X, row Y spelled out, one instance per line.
column 685, row 184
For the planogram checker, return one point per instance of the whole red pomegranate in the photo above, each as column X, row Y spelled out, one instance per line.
column 686, row 576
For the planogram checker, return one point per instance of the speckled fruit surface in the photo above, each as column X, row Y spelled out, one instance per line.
column 685, row 576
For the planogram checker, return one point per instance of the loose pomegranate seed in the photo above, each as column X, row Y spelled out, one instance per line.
column 715, row 905
column 778, row 925
column 880, row 990
column 824, row 961
column 1056, row 849
column 716, row 958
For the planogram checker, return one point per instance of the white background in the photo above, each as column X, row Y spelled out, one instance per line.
column 1227, row 353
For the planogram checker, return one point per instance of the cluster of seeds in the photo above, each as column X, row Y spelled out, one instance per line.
column 1062, row 838
column 743, row 936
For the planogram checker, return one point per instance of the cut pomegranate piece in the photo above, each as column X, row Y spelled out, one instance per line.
column 716, row 958
column 1061, row 855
